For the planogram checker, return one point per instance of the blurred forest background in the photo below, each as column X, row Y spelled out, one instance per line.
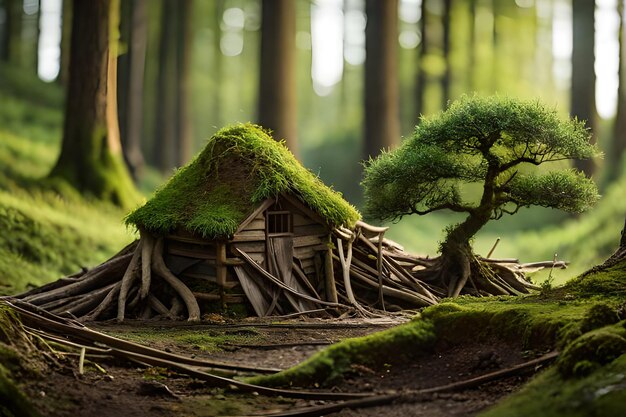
column 338, row 79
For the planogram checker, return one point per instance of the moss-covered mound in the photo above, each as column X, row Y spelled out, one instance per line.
column 583, row 320
column 239, row 168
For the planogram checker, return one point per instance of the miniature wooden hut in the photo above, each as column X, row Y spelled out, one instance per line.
column 246, row 198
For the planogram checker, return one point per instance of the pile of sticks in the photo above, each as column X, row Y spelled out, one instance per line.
column 371, row 263
column 122, row 283
column 371, row 276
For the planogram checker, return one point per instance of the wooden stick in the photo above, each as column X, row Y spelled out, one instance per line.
column 330, row 285
column 108, row 300
column 493, row 247
column 281, row 284
column 106, row 274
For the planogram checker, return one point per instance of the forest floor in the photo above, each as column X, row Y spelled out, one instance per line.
column 115, row 387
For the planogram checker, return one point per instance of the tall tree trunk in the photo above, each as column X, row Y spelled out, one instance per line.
column 66, row 32
column 583, row 102
column 164, row 146
column 91, row 157
column 277, row 83
column 420, row 85
column 471, row 76
column 445, row 79
column 13, row 40
column 618, row 145
column 382, row 115
column 183, row 47
column 218, row 12
column 133, row 65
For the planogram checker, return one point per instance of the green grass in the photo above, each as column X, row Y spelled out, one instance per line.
column 48, row 229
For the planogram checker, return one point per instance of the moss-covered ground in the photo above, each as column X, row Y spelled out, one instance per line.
column 47, row 229
column 585, row 321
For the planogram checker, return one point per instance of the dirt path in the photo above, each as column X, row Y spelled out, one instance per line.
column 118, row 389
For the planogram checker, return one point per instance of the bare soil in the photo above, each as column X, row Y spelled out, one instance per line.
column 115, row 388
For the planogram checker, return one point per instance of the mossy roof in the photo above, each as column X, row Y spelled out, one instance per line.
column 240, row 167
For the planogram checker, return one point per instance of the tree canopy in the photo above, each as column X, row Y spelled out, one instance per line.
column 492, row 141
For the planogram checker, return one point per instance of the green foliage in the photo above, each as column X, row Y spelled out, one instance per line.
column 240, row 167
column 491, row 141
column 564, row 190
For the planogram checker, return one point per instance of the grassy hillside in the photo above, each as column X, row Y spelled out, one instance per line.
column 45, row 234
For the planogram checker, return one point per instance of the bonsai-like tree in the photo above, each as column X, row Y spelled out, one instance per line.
column 494, row 144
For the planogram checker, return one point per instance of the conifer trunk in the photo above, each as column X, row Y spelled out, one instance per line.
column 90, row 156
column 382, row 101
column 277, row 92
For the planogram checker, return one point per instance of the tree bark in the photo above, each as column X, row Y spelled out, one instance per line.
column 382, row 113
column 90, row 156
column 66, row 34
column 618, row 145
column 133, row 66
column 583, row 103
column 622, row 242
column 11, row 51
column 420, row 84
column 447, row 75
column 277, row 83
column 164, row 146
column 183, row 47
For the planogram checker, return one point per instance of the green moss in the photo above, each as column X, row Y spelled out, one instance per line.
column 185, row 339
column 601, row 393
column 605, row 282
column 599, row 315
column 592, row 350
column 331, row 364
column 240, row 167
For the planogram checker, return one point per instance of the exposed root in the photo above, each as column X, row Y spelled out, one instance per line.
column 158, row 264
column 127, row 280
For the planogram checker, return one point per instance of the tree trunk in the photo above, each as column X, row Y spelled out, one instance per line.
column 66, row 33
column 471, row 55
column 218, row 12
column 420, row 85
column 382, row 114
column 277, row 83
column 445, row 79
column 618, row 145
column 13, row 36
column 90, row 156
column 622, row 242
column 131, row 118
column 183, row 47
column 457, row 258
column 583, row 103
column 166, row 100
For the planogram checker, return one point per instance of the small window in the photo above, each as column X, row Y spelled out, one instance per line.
column 278, row 222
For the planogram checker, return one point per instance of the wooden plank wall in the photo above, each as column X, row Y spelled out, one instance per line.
column 309, row 237
column 252, row 239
